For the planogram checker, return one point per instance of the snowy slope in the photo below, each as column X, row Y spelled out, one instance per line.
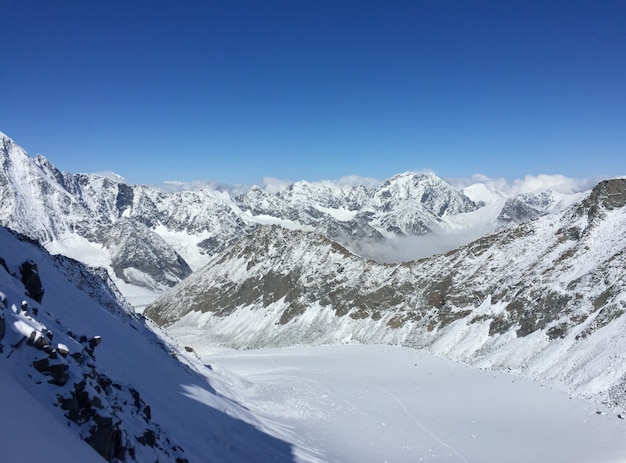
column 128, row 395
column 545, row 299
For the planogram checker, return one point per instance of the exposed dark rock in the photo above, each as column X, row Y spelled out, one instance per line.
column 604, row 316
column 124, row 200
column 59, row 371
column 293, row 311
column 30, row 278
column 517, row 211
column 610, row 193
column 148, row 438
column 106, row 438
column 606, row 195
column 41, row 365
column 3, row 264
column 63, row 350
column 558, row 331
column 136, row 397
column 547, row 308
column 3, row 306
column 97, row 404
column 93, row 342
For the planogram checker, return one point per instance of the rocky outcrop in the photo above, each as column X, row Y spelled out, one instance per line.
column 30, row 278
column 517, row 211
column 111, row 417
column 606, row 196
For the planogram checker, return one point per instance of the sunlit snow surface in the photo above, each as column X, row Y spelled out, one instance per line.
column 353, row 403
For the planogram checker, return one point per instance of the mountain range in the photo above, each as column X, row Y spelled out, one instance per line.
column 149, row 240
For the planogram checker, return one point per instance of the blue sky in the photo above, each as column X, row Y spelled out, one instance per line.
column 235, row 90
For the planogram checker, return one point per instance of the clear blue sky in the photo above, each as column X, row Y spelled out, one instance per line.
column 235, row 90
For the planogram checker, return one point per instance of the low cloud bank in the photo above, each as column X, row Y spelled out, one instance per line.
column 529, row 183
column 410, row 248
column 526, row 184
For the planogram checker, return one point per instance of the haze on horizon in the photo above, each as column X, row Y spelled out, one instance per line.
column 241, row 91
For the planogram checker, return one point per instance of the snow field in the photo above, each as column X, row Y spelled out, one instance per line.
column 355, row 403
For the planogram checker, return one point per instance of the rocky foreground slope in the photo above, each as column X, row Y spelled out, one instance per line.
column 76, row 363
column 546, row 299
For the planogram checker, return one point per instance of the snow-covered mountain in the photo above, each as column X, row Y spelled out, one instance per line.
column 83, row 378
column 150, row 240
column 86, row 217
column 540, row 292
column 546, row 299
column 78, row 365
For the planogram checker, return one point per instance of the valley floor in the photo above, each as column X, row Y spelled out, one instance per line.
column 353, row 403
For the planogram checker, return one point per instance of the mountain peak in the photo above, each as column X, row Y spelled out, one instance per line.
column 4, row 137
column 429, row 192
column 415, row 177
column 112, row 176
column 9, row 149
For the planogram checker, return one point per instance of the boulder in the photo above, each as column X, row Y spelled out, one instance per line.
column 30, row 278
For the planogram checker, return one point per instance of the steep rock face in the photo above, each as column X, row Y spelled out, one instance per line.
column 531, row 298
column 608, row 194
column 137, row 252
column 517, row 211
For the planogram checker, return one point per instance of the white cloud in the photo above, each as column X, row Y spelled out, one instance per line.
column 171, row 186
column 559, row 183
column 529, row 183
column 274, row 185
column 350, row 181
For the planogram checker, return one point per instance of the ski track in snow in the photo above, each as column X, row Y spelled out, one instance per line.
column 419, row 423
column 365, row 384
column 395, row 398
